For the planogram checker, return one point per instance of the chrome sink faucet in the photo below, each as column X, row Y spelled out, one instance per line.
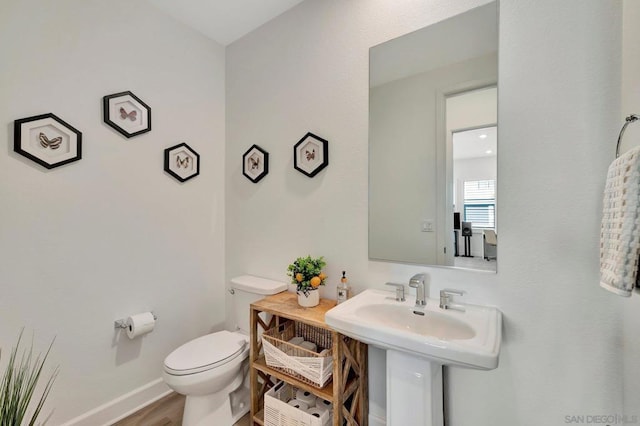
column 418, row 282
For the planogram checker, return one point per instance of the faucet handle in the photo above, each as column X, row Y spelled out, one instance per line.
column 399, row 291
column 446, row 296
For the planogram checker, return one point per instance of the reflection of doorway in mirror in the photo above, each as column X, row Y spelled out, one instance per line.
column 471, row 123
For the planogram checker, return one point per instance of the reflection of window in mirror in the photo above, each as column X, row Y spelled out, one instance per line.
column 471, row 124
column 479, row 203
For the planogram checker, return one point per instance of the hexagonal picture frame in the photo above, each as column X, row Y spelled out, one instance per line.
column 181, row 162
column 48, row 140
column 311, row 154
column 127, row 114
column 255, row 163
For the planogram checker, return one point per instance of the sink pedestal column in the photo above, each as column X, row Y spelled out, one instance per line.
column 414, row 391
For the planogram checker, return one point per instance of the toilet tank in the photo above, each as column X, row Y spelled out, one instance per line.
column 248, row 289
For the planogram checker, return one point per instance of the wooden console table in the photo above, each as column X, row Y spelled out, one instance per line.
column 348, row 388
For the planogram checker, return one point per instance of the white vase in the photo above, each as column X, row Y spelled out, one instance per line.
column 309, row 300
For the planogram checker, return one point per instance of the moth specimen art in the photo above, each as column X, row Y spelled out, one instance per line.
column 127, row 114
column 255, row 163
column 311, row 154
column 48, row 140
column 181, row 162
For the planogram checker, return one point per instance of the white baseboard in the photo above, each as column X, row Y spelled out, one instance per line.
column 127, row 404
column 123, row 406
column 377, row 421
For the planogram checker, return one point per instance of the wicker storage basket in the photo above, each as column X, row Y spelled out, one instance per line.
column 278, row 413
column 312, row 368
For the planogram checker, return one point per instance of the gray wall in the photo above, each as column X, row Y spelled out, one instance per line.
column 110, row 235
column 631, row 105
column 559, row 103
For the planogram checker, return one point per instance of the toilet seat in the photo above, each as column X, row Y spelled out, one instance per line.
column 205, row 353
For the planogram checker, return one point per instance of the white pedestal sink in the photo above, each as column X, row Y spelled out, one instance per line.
column 418, row 345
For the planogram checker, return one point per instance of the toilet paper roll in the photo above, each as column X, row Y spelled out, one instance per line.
column 323, row 403
column 296, row 340
column 140, row 324
column 310, row 346
column 306, row 397
column 319, row 412
column 298, row 404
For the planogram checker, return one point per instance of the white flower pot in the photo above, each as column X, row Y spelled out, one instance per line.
column 311, row 299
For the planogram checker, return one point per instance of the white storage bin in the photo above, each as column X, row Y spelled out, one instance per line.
column 312, row 368
column 277, row 412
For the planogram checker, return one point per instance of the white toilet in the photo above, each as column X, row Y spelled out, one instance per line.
column 211, row 369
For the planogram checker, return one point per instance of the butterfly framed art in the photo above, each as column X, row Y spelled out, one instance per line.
column 311, row 154
column 255, row 163
column 181, row 162
column 127, row 114
column 48, row 140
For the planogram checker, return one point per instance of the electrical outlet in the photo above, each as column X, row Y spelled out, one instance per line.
column 427, row 226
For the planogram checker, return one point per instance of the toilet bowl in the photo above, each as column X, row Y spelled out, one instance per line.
column 211, row 370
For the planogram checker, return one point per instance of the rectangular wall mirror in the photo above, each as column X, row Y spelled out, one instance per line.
column 433, row 144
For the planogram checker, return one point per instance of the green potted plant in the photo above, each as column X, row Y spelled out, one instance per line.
column 18, row 386
column 306, row 273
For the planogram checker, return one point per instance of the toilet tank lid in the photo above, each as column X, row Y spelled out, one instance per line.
column 257, row 285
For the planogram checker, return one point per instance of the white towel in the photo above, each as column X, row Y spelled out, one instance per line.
column 620, row 229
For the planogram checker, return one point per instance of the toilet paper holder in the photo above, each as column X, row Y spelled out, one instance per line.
column 122, row 323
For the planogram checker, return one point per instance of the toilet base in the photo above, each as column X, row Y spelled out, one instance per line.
column 240, row 403
column 223, row 408
column 207, row 410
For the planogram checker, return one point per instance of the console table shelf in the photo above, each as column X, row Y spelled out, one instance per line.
column 347, row 390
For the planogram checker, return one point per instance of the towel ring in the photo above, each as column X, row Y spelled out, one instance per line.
column 629, row 119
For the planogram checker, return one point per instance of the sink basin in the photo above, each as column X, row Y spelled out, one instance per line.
column 434, row 324
column 466, row 339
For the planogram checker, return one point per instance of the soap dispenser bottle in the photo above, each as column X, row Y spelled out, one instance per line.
column 344, row 292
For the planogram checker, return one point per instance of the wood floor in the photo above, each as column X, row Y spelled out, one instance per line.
column 165, row 412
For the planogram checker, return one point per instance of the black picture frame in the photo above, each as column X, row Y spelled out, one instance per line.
column 182, row 162
column 47, row 140
column 311, row 154
column 255, row 163
column 126, row 113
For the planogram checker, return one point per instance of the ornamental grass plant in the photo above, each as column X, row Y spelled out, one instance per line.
column 19, row 383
